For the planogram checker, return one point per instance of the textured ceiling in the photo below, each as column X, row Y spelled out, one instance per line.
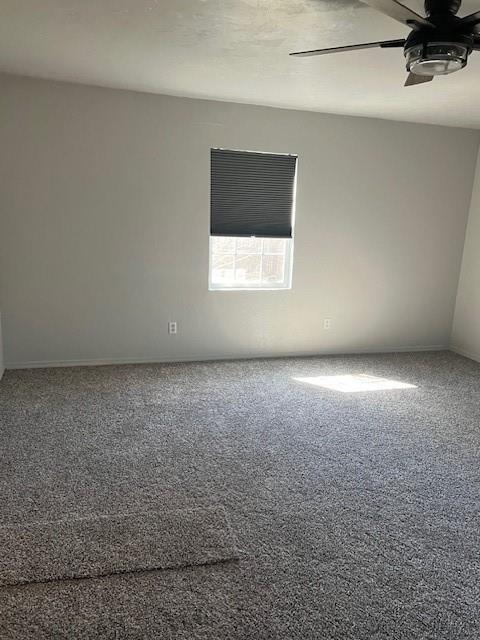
column 234, row 50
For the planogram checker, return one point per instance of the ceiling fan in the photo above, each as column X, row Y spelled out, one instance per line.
column 438, row 44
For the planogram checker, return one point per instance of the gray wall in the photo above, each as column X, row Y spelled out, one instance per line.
column 466, row 327
column 105, row 220
column 2, row 368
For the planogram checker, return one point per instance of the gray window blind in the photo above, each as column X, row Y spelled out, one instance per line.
column 251, row 193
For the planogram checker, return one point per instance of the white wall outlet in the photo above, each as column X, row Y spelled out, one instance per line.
column 327, row 324
column 172, row 328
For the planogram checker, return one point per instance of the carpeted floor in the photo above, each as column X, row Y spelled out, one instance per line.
column 356, row 515
column 107, row 545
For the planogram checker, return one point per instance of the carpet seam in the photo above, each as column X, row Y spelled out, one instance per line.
column 142, row 570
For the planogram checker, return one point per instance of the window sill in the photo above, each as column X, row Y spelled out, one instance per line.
column 222, row 289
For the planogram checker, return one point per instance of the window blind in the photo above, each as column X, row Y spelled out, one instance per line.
column 252, row 193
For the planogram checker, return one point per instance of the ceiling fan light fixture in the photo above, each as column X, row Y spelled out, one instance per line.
column 436, row 58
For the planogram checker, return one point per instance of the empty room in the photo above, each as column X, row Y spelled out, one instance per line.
column 240, row 320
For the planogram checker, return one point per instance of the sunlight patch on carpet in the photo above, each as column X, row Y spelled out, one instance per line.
column 355, row 383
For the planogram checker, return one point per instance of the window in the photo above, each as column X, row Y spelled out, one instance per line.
column 250, row 263
column 251, row 220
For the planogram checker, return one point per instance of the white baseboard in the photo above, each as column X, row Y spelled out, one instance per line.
column 42, row 364
column 466, row 354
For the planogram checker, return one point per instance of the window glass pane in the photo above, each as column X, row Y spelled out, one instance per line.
column 247, row 268
column 250, row 263
column 222, row 268
column 273, row 269
column 223, row 245
column 274, row 245
column 249, row 245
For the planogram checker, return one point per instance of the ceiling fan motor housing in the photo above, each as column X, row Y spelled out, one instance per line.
column 441, row 7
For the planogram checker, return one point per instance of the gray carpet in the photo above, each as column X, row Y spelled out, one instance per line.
column 106, row 545
column 357, row 515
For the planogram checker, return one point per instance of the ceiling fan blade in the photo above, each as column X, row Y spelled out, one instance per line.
column 399, row 12
column 385, row 44
column 414, row 78
column 471, row 20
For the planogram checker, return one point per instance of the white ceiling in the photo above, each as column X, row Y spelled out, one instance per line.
column 234, row 50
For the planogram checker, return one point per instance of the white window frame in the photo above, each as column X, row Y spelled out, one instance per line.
column 285, row 285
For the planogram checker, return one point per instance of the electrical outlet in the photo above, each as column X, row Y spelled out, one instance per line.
column 172, row 328
column 327, row 324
